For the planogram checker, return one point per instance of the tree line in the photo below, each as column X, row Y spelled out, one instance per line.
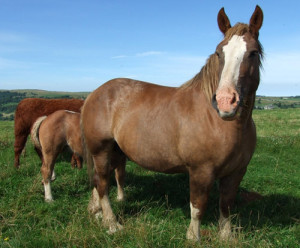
column 8, row 103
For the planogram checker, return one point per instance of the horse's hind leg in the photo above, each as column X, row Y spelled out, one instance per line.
column 20, row 141
column 39, row 152
column 120, row 178
column 76, row 161
column 102, row 170
column 118, row 162
column 47, row 173
column 94, row 206
column 228, row 187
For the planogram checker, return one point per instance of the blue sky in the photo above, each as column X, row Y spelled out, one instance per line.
column 77, row 45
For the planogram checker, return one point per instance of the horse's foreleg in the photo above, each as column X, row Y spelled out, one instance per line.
column 228, row 187
column 200, row 185
column 102, row 170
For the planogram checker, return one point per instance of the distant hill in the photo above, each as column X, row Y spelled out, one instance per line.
column 9, row 100
column 267, row 102
column 51, row 94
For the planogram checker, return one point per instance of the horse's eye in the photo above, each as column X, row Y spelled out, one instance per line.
column 252, row 54
column 217, row 53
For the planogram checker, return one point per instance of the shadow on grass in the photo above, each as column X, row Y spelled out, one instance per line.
column 172, row 191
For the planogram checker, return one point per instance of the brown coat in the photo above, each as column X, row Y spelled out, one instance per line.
column 29, row 109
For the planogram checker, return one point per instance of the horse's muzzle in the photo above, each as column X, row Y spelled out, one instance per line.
column 226, row 103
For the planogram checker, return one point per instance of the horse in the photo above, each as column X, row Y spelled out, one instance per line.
column 50, row 135
column 28, row 110
column 203, row 128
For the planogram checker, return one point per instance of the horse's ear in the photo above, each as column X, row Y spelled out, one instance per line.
column 256, row 21
column 223, row 21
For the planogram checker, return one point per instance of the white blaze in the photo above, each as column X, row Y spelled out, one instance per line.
column 234, row 53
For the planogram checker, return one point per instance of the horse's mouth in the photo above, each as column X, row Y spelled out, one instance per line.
column 229, row 116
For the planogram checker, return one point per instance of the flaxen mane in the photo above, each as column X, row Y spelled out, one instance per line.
column 208, row 77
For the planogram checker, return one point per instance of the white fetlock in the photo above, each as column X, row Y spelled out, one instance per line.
column 120, row 198
column 48, row 194
column 94, row 206
column 53, row 177
column 193, row 232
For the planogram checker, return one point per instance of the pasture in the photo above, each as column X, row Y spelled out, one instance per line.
column 156, row 211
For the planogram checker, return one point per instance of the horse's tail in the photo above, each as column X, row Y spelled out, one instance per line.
column 35, row 132
column 86, row 154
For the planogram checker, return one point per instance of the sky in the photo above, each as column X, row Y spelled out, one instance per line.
column 77, row 45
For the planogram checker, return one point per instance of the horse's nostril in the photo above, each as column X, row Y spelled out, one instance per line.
column 233, row 99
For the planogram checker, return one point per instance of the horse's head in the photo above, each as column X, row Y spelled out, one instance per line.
column 239, row 57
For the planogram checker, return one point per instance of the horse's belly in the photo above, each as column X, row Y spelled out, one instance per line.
column 161, row 165
column 154, row 158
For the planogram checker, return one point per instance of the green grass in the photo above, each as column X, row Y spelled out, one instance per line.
column 156, row 212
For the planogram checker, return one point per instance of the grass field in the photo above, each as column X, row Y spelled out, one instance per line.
column 156, row 212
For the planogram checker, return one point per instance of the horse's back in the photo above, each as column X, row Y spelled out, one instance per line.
column 59, row 129
column 139, row 116
column 29, row 109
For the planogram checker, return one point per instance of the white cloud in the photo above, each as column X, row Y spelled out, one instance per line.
column 149, row 53
column 142, row 54
column 119, row 57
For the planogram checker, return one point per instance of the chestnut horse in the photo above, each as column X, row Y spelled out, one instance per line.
column 50, row 135
column 203, row 128
column 27, row 112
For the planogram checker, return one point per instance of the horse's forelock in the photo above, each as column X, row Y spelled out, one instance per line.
column 240, row 29
column 207, row 79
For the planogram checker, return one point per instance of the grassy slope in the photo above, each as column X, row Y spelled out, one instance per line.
column 51, row 94
column 156, row 212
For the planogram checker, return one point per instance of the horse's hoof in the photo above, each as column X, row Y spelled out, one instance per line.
column 190, row 235
column 115, row 228
column 49, row 200
column 120, row 198
column 98, row 215
column 225, row 236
